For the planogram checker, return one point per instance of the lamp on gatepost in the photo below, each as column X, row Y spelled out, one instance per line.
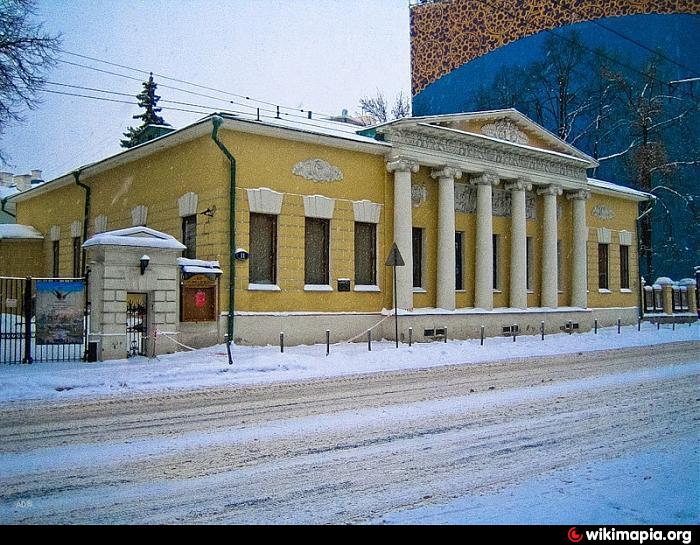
column 145, row 260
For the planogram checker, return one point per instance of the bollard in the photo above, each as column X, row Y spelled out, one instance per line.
column 482, row 335
column 618, row 326
column 328, row 342
column 513, row 330
column 542, row 329
column 673, row 326
column 369, row 340
column 282, row 342
column 445, row 339
column 410, row 336
column 658, row 325
column 569, row 327
column 639, row 324
column 595, row 326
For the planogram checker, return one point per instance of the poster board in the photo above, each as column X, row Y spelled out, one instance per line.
column 60, row 307
column 199, row 295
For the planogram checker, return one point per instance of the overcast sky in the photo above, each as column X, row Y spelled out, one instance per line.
column 321, row 55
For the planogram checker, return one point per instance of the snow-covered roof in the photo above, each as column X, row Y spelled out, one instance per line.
column 198, row 266
column 610, row 188
column 21, row 232
column 143, row 237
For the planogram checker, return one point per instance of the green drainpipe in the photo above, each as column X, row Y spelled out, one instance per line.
column 3, row 202
column 217, row 121
column 83, row 255
column 86, row 213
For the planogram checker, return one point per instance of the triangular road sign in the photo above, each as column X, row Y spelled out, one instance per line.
column 394, row 259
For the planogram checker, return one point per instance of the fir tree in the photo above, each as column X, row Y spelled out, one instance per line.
column 148, row 100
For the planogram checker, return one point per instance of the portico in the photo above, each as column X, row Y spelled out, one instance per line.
column 509, row 168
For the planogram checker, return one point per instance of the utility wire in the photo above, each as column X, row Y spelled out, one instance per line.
column 193, row 84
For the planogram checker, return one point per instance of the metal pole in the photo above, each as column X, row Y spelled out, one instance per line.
column 282, row 342
column 618, row 326
column 542, row 329
column 396, row 315
column 369, row 340
column 410, row 336
column 658, row 325
column 445, row 334
column 482, row 335
column 595, row 326
column 328, row 342
column 673, row 325
column 639, row 324
column 513, row 330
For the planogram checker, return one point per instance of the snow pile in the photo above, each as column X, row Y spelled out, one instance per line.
column 135, row 236
column 15, row 230
column 253, row 365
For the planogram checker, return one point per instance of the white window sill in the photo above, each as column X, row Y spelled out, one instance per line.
column 460, row 291
column 530, row 291
column 625, row 290
column 497, row 291
column 604, row 291
column 419, row 290
column 317, row 287
column 366, row 287
column 263, row 287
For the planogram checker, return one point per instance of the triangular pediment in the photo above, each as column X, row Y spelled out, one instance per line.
column 507, row 126
column 135, row 236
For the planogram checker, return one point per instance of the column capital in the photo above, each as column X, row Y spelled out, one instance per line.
column 446, row 172
column 401, row 164
column 552, row 189
column 521, row 184
column 485, row 178
column 579, row 195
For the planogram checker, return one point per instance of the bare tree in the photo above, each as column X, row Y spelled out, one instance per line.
column 377, row 108
column 27, row 51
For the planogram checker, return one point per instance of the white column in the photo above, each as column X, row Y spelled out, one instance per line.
column 403, row 228
column 550, row 291
column 518, row 244
column 483, row 283
column 579, row 296
column 446, row 236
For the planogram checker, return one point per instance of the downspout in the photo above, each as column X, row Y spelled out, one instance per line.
column 640, row 295
column 216, row 122
column 3, row 202
column 83, row 256
column 86, row 214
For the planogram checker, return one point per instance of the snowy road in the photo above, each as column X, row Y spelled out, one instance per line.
column 348, row 449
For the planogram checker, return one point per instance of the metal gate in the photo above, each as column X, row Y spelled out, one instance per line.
column 61, row 336
column 136, row 324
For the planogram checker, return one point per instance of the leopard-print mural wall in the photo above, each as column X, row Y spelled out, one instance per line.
column 448, row 33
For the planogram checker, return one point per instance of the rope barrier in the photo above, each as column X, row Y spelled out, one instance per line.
column 363, row 332
column 156, row 333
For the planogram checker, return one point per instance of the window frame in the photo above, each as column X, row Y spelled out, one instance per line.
column 372, row 227
column 624, row 267
column 459, row 261
column 190, row 252
column 325, row 252
column 56, row 265
column 496, row 251
column 418, row 261
column 603, row 266
column 273, row 247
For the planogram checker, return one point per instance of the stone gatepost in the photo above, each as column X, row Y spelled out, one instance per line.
column 116, row 273
column 667, row 291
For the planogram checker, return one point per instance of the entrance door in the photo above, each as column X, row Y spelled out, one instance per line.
column 136, row 324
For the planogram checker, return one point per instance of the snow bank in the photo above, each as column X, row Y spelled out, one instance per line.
column 254, row 365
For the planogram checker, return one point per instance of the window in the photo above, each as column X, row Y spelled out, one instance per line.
column 262, row 264
column 316, row 251
column 459, row 258
column 77, row 251
column 189, row 236
column 528, row 260
column 603, row 267
column 417, row 257
column 56, row 249
column 560, row 282
column 496, row 249
column 624, row 267
column 365, row 254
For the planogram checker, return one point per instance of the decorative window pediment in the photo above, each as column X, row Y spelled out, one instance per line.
column 265, row 201
column 366, row 211
column 139, row 215
column 76, row 229
column 604, row 235
column 55, row 233
column 100, row 223
column 187, row 204
column 318, row 206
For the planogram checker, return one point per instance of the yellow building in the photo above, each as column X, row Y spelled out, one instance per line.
column 493, row 215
